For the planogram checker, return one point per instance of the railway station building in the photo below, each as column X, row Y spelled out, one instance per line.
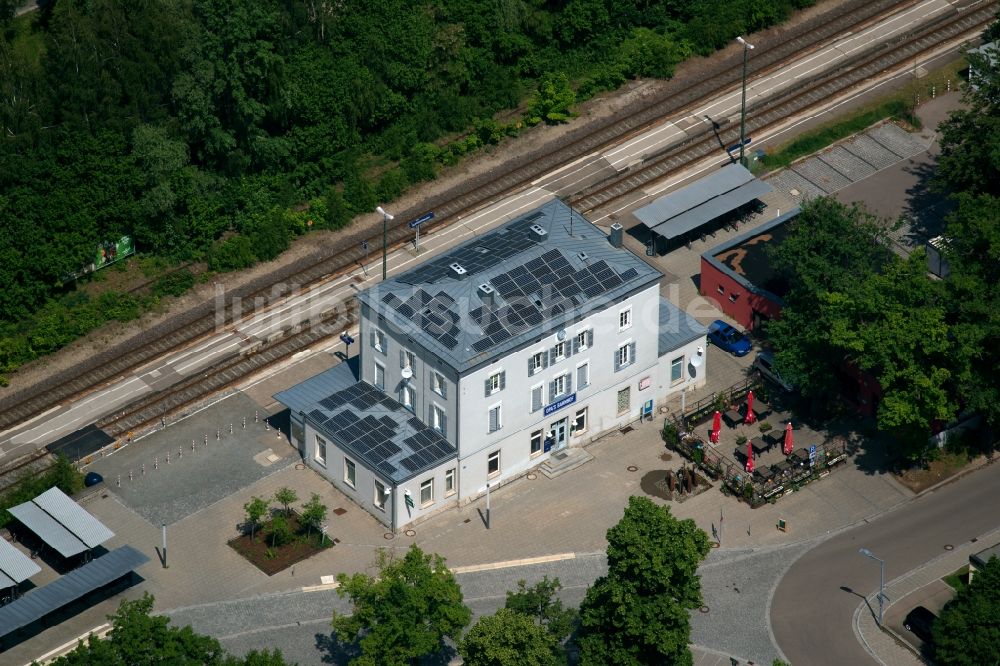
column 480, row 363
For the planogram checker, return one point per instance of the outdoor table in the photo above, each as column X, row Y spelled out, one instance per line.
column 761, row 409
column 764, row 472
column 733, row 417
column 800, row 456
column 775, row 437
column 759, row 446
column 782, row 467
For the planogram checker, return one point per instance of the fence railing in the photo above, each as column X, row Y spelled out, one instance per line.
column 702, row 409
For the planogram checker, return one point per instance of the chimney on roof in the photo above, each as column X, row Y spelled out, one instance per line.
column 486, row 294
column 617, row 236
column 582, row 256
column 537, row 234
column 457, row 270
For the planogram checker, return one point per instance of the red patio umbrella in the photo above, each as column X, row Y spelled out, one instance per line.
column 787, row 448
column 716, row 427
column 749, row 458
column 750, row 418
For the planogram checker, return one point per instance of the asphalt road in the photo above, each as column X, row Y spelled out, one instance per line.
column 813, row 605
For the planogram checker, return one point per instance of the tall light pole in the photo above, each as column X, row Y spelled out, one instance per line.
column 881, row 581
column 385, row 239
column 747, row 47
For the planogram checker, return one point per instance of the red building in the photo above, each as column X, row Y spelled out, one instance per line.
column 737, row 274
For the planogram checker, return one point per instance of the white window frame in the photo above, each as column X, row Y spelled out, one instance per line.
column 624, row 359
column 380, row 495
column 428, row 484
column 375, row 382
column 437, row 383
column 674, row 361
column 579, row 386
column 576, row 418
column 541, row 405
column 450, row 487
column 407, row 396
column 437, row 411
column 538, row 366
column 581, row 340
column 625, row 318
column 499, row 407
column 493, row 455
column 541, row 443
column 494, row 380
column 560, row 348
column 381, row 344
column 350, row 470
column 319, row 443
column 560, row 385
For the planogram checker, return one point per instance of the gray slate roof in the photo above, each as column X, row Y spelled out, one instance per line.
column 368, row 424
column 15, row 566
column 38, row 603
column 61, row 523
column 538, row 278
column 702, row 201
column 677, row 328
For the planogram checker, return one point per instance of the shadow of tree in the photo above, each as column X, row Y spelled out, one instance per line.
column 333, row 651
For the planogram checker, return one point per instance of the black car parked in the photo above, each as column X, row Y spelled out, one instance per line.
column 919, row 621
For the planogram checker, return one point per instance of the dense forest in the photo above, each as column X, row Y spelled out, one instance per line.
column 212, row 130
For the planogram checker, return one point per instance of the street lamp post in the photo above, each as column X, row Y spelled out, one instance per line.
column 385, row 239
column 881, row 581
column 747, row 47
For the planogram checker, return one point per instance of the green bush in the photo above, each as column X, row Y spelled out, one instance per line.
column 174, row 284
column 280, row 531
column 232, row 254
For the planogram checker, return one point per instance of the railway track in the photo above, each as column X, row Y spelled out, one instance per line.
column 200, row 322
column 775, row 110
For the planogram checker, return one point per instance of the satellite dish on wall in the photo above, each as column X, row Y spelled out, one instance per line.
column 407, row 372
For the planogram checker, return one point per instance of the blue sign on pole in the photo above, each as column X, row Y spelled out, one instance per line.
column 812, row 453
column 559, row 404
column 426, row 217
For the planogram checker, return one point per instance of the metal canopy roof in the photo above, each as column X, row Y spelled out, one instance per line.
column 78, row 520
column 702, row 201
column 711, row 209
column 97, row 573
column 48, row 529
column 61, row 523
column 15, row 566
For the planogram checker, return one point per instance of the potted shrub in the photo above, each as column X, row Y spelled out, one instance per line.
column 741, row 440
column 764, row 427
column 671, row 436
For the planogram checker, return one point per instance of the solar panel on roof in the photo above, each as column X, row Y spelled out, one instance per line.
column 386, row 468
column 593, row 291
column 483, row 345
column 612, row 281
column 411, row 463
column 630, row 274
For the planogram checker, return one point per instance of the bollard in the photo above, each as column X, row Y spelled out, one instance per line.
column 192, row 445
column 156, row 463
column 255, row 417
column 277, row 432
column 144, row 469
column 206, row 439
column 130, row 475
column 163, row 422
column 180, row 452
column 230, row 428
column 949, row 85
column 168, row 457
column 267, row 426
column 244, row 423
column 119, row 480
column 218, row 434
column 933, row 92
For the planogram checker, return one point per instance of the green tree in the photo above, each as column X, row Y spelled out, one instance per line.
column 508, row 638
column 337, row 215
column 255, row 509
column 313, row 513
column 638, row 612
column 539, row 602
column 553, row 101
column 966, row 632
column 279, row 531
column 405, row 612
column 285, row 496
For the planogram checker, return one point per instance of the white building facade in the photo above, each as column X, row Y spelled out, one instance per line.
column 536, row 336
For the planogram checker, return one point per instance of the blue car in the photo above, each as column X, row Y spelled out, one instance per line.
column 724, row 336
